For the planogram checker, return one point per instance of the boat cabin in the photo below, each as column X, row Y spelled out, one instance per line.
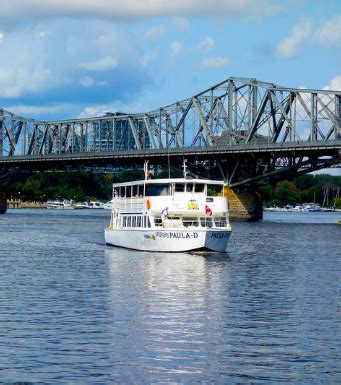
column 170, row 203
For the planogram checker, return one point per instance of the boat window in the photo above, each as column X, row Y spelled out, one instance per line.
column 214, row 190
column 124, row 221
column 137, row 191
column 189, row 187
column 128, row 221
column 210, row 199
column 206, row 222
column 179, row 187
column 199, row 188
column 157, row 190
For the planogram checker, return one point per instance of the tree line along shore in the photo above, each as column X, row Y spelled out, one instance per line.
column 80, row 186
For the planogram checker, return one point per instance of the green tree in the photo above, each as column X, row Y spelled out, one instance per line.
column 173, row 173
column 286, row 192
column 309, row 194
column 268, row 194
column 131, row 175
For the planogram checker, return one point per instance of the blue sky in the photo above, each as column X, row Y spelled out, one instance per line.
column 71, row 58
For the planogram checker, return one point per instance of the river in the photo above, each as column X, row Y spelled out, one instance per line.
column 73, row 310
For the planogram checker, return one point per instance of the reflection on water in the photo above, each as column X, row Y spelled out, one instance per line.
column 74, row 310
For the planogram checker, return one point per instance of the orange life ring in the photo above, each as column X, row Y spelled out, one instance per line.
column 148, row 205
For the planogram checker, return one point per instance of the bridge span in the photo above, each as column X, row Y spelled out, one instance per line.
column 249, row 131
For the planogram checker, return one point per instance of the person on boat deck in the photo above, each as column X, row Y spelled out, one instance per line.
column 164, row 214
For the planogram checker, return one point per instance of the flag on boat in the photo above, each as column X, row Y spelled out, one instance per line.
column 208, row 211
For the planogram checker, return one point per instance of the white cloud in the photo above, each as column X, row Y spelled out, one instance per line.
column 207, row 43
column 18, row 11
column 329, row 33
column 16, row 81
column 136, row 106
column 215, row 62
column 105, row 63
column 289, row 46
column 175, row 48
column 335, row 84
column 330, row 171
column 2, row 35
column 90, row 112
column 154, row 33
column 29, row 110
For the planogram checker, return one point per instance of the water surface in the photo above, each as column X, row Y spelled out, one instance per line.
column 73, row 310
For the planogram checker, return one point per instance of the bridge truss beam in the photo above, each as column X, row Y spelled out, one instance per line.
column 234, row 112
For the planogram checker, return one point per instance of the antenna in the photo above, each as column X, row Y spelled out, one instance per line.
column 169, row 172
column 185, row 168
column 145, row 169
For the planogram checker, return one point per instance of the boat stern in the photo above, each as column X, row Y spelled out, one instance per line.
column 218, row 239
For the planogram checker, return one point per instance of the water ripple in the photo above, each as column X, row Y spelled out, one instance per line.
column 73, row 310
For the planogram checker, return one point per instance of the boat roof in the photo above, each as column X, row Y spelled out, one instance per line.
column 169, row 181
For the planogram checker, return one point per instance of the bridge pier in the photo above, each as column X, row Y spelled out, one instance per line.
column 3, row 202
column 244, row 205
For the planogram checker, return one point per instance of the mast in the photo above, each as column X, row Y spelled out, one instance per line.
column 145, row 168
column 185, row 168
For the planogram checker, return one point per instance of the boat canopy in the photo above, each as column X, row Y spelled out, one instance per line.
column 167, row 187
column 169, row 182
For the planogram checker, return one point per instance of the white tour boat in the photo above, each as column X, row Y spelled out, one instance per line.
column 59, row 204
column 169, row 215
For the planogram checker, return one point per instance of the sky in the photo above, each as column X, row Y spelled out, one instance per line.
column 76, row 58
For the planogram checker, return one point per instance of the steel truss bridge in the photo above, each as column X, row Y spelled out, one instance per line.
column 248, row 130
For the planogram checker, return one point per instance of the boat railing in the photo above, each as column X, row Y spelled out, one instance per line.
column 133, row 204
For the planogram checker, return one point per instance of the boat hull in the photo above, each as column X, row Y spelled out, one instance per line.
column 169, row 240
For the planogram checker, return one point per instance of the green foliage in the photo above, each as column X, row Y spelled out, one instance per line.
column 267, row 194
column 305, row 182
column 337, row 203
column 211, row 192
column 83, row 185
column 131, row 175
column 286, row 192
column 310, row 194
column 173, row 173
column 76, row 185
column 304, row 189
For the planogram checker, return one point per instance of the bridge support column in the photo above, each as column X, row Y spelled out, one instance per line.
column 1, row 132
column 3, row 202
column 338, row 117
column 244, row 205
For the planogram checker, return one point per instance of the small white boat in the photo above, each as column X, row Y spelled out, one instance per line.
column 108, row 205
column 63, row 204
column 81, row 205
column 96, row 205
column 89, row 205
column 170, row 215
